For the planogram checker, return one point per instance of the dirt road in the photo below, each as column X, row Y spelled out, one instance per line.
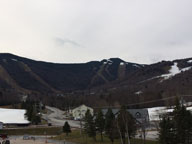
column 57, row 118
column 38, row 140
column 20, row 141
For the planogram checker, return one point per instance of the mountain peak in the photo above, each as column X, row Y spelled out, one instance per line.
column 6, row 55
column 112, row 60
column 116, row 60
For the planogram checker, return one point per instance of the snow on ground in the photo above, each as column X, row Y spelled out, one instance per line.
column 109, row 61
column 172, row 72
column 135, row 65
column 122, row 63
column 138, row 93
column 190, row 61
column 150, row 135
column 13, row 116
column 155, row 112
column 14, row 60
column 186, row 69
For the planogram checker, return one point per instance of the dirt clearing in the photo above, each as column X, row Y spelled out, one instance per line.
column 20, row 141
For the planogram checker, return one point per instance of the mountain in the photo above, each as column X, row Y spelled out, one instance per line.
column 153, row 85
column 29, row 75
column 107, row 82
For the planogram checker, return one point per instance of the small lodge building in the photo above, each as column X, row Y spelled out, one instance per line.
column 141, row 115
column 1, row 125
column 13, row 118
column 79, row 112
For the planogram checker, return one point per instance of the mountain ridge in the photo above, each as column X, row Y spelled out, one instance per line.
column 107, row 82
column 100, row 69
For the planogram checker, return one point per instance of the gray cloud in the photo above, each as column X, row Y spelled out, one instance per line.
column 62, row 42
column 142, row 31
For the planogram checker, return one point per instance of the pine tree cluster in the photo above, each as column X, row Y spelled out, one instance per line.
column 119, row 126
column 66, row 128
column 32, row 111
column 176, row 127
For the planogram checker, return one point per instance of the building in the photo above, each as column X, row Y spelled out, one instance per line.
column 139, row 114
column 1, row 125
column 156, row 113
column 13, row 117
column 79, row 112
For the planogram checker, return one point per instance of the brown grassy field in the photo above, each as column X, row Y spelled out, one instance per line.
column 33, row 131
column 20, row 141
column 76, row 137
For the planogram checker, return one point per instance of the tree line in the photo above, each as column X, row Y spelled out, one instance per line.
column 176, row 126
column 122, row 125
column 33, row 109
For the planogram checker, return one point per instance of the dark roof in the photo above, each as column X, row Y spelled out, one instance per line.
column 138, row 114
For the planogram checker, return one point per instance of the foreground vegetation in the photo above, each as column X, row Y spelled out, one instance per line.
column 76, row 137
column 33, row 131
column 176, row 126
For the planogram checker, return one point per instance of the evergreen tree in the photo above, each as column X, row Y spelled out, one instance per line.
column 89, row 126
column 126, row 125
column 167, row 131
column 100, row 123
column 110, row 126
column 176, row 127
column 66, row 128
column 29, row 112
column 32, row 112
column 182, row 123
column 36, row 119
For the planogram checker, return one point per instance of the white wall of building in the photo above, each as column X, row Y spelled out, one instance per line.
column 79, row 112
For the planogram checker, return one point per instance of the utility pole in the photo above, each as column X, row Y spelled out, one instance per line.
column 80, row 115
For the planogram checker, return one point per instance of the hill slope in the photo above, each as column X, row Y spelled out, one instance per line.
column 157, row 83
column 99, row 83
column 21, row 73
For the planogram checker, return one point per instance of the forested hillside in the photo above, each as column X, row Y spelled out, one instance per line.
column 97, row 83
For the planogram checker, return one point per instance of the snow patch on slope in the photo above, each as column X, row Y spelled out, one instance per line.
column 156, row 112
column 108, row 61
column 174, row 71
column 122, row 63
column 138, row 93
column 14, row 60
column 138, row 66
column 189, row 61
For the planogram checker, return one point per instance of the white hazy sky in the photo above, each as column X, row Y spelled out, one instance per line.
column 143, row 31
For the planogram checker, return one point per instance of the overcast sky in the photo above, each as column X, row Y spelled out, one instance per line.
column 65, row 31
